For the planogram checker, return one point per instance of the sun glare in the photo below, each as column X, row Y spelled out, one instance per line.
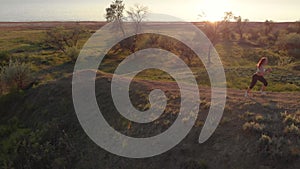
column 213, row 10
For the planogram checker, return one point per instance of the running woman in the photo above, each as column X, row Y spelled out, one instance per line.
column 259, row 76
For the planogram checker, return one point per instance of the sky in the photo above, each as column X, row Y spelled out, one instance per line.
column 188, row 10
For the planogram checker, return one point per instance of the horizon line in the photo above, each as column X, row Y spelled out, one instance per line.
column 143, row 21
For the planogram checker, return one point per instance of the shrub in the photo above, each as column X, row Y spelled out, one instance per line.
column 15, row 75
column 294, row 27
column 72, row 53
column 47, row 147
column 264, row 140
column 192, row 164
column 10, row 134
column 292, row 129
column 263, row 41
column 259, row 118
column 295, row 150
column 274, row 148
column 248, row 116
column 4, row 57
column 254, row 34
column 253, row 126
column 290, row 43
column 284, row 114
column 254, row 55
column 60, row 38
column 279, row 87
column 291, row 119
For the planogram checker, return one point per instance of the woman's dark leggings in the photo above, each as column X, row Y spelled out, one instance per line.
column 256, row 78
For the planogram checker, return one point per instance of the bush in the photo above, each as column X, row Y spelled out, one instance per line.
column 291, row 119
column 253, row 126
column 4, row 57
column 290, row 43
column 259, row 118
column 72, row 53
column 47, row 147
column 264, row 140
column 10, row 135
column 294, row 27
column 279, row 87
column 250, row 116
column 192, row 164
column 254, row 55
column 60, row 39
column 254, row 34
column 263, row 41
column 292, row 129
column 274, row 148
column 295, row 150
column 15, row 75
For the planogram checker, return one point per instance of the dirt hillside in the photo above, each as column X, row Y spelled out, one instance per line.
column 235, row 144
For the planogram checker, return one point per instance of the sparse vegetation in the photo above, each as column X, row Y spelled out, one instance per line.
column 275, row 148
column 15, row 75
column 259, row 118
column 192, row 164
column 253, row 126
column 66, row 41
column 290, row 42
column 277, row 144
column 292, row 129
column 4, row 57
column 264, row 140
column 26, row 148
column 290, row 118
column 72, row 53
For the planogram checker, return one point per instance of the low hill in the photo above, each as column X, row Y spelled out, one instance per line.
column 39, row 128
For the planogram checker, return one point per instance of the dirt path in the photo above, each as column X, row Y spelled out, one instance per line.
column 273, row 100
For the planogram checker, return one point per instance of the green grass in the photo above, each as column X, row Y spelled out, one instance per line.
column 238, row 59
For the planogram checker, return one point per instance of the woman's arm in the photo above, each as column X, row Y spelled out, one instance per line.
column 261, row 71
column 269, row 70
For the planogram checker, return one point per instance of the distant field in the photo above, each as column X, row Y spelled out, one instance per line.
column 25, row 41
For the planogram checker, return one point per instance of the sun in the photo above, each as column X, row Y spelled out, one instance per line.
column 213, row 18
column 213, row 10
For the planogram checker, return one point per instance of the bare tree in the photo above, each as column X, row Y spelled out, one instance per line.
column 137, row 14
column 212, row 32
column 213, row 29
column 269, row 24
column 240, row 25
column 226, row 29
column 114, row 13
column 60, row 38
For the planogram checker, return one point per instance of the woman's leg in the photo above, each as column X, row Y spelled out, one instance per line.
column 264, row 81
column 253, row 81
column 263, row 88
column 252, row 84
